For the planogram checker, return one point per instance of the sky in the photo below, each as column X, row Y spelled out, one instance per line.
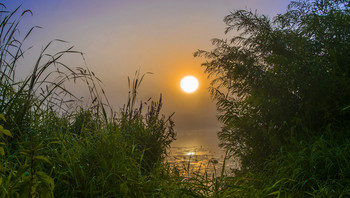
column 120, row 37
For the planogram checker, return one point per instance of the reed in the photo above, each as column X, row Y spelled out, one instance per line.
column 52, row 145
column 48, row 149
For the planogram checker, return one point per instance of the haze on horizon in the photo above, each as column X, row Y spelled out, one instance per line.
column 119, row 37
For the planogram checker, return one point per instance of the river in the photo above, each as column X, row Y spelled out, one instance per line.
column 200, row 160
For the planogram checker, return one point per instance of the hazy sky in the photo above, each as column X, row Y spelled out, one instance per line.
column 119, row 37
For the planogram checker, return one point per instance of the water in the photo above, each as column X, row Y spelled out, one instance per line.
column 200, row 159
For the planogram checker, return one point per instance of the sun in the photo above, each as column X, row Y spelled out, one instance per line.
column 191, row 153
column 189, row 84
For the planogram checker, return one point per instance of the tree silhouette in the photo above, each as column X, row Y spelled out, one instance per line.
column 282, row 79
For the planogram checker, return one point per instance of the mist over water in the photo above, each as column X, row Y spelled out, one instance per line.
column 200, row 160
column 197, row 151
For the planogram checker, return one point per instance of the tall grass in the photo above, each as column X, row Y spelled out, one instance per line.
column 52, row 145
column 318, row 167
column 49, row 150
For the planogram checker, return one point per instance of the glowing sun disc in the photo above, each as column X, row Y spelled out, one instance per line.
column 189, row 84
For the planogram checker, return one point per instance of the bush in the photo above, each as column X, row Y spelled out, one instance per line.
column 281, row 79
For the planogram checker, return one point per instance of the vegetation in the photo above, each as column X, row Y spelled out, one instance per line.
column 282, row 88
column 53, row 146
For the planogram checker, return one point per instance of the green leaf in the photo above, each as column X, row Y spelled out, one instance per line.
column 42, row 158
column 2, row 117
column 5, row 131
column 2, row 152
column 274, row 193
column 124, row 188
column 42, row 176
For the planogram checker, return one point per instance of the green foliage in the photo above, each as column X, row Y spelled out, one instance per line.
column 3, row 132
column 317, row 167
column 281, row 79
column 282, row 87
column 49, row 148
column 84, row 122
column 218, row 184
column 151, row 133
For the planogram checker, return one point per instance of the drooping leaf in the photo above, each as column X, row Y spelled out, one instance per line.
column 2, row 152
column 42, row 158
column 5, row 131
column 2, row 117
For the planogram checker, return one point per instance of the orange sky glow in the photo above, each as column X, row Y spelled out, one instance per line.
column 119, row 37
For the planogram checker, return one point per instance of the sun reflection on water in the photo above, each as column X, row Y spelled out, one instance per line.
column 197, row 159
